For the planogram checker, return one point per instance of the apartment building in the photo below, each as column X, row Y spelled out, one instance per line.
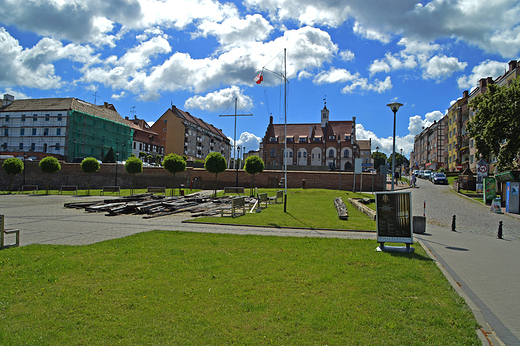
column 183, row 134
column 65, row 128
column 144, row 139
column 428, row 151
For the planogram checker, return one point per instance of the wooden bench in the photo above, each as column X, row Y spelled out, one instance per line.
column 111, row 189
column 155, row 189
column 262, row 198
column 71, row 188
column 33, row 188
column 237, row 203
column 238, row 190
column 279, row 195
column 3, row 232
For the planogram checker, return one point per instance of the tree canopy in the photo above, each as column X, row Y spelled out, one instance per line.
column 174, row 163
column 89, row 165
column 110, row 157
column 215, row 163
column 379, row 159
column 495, row 127
column 49, row 165
column 12, row 166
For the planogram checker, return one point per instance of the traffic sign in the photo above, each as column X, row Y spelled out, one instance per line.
column 482, row 169
column 459, row 167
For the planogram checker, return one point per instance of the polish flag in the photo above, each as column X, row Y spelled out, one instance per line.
column 259, row 78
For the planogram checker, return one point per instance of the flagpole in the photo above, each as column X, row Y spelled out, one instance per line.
column 285, row 113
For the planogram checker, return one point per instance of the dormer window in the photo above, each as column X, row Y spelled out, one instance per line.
column 272, row 139
column 303, row 139
column 332, row 137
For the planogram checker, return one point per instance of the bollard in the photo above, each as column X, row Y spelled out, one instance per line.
column 499, row 235
column 453, row 223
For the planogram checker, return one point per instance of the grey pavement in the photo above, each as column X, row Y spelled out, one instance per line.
column 483, row 269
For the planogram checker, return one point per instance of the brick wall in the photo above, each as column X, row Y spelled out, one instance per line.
column 71, row 174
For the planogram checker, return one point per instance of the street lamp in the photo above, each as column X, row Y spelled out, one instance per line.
column 394, row 106
column 339, row 162
column 24, row 157
column 238, row 150
column 75, row 141
column 117, row 164
column 401, row 169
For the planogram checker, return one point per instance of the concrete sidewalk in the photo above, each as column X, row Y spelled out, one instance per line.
column 483, row 269
column 486, row 272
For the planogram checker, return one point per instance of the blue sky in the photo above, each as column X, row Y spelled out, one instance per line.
column 199, row 55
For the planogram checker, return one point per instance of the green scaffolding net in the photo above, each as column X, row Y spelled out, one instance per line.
column 92, row 136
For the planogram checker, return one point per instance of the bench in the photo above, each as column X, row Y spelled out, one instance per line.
column 71, row 188
column 33, row 188
column 237, row 190
column 111, row 189
column 236, row 204
column 262, row 198
column 3, row 232
column 279, row 195
column 155, row 189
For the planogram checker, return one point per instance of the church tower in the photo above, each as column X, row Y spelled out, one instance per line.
column 324, row 116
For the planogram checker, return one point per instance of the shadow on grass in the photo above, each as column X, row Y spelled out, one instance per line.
column 302, row 225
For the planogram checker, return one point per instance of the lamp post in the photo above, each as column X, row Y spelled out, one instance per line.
column 24, row 157
column 117, row 164
column 339, row 162
column 75, row 141
column 394, row 106
column 401, row 166
column 238, row 150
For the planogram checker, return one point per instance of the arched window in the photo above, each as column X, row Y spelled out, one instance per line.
column 346, row 154
column 331, row 153
column 299, row 154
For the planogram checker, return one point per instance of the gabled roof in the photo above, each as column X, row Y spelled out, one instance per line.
column 303, row 130
column 142, row 133
column 199, row 122
column 64, row 104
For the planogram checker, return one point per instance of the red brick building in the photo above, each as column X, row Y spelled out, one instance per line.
column 329, row 144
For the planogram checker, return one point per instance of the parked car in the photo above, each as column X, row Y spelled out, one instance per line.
column 426, row 174
column 420, row 174
column 415, row 172
column 439, row 178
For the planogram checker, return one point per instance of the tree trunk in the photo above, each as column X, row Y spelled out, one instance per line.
column 173, row 185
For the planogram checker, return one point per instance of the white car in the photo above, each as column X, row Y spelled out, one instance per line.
column 426, row 174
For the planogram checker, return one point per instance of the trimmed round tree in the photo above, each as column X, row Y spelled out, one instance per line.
column 215, row 163
column 174, row 163
column 254, row 164
column 12, row 166
column 89, row 165
column 133, row 166
column 49, row 165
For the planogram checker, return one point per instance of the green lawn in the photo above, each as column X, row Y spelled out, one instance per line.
column 306, row 208
column 178, row 288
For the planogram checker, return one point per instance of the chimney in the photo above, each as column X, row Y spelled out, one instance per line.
column 482, row 83
column 490, row 80
column 310, row 132
column 271, row 120
column 512, row 65
column 8, row 99
column 465, row 94
column 105, row 105
column 126, row 118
